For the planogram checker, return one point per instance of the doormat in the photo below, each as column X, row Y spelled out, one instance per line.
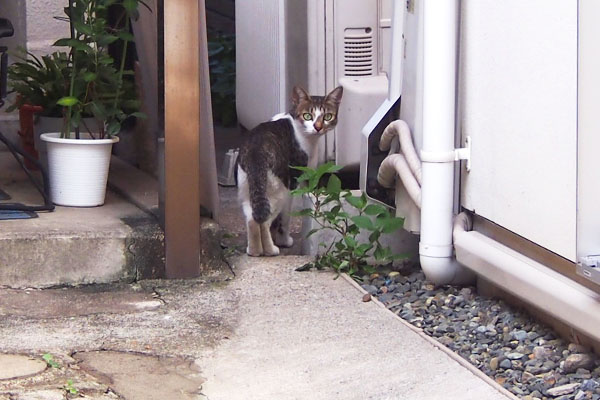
column 14, row 214
column 4, row 195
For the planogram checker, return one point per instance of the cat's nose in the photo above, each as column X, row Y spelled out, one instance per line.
column 318, row 127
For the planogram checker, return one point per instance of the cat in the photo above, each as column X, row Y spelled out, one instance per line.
column 264, row 173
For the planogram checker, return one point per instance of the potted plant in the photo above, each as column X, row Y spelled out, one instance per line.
column 93, row 86
column 39, row 83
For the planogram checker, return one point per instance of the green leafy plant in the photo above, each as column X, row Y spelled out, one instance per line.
column 221, row 56
column 97, row 87
column 40, row 81
column 70, row 387
column 50, row 360
column 345, row 253
column 84, row 81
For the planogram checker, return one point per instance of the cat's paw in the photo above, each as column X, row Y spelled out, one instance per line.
column 284, row 241
column 273, row 251
column 252, row 252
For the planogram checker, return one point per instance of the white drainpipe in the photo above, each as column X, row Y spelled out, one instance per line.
column 440, row 32
column 406, row 163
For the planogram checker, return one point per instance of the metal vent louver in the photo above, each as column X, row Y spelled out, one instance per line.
column 358, row 52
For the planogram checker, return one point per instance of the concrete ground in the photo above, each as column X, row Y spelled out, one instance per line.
column 270, row 333
column 267, row 333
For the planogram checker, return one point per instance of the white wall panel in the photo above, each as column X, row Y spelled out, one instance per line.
column 260, row 60
column 588, row 224
column 518, row 102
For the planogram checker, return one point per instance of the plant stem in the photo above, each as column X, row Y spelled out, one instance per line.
column 122, row 66
column 67, row 130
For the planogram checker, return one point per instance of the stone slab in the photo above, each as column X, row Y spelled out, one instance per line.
column 17, row 366
column 53, row 303
column 42, row 395
column 138, row 376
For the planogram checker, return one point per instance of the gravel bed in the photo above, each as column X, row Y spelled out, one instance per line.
column 520, row 353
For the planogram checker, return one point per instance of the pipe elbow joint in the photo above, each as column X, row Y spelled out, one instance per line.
column 445, row 271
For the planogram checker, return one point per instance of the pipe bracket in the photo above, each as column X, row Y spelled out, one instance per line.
column 439, row 251
column 463, row 153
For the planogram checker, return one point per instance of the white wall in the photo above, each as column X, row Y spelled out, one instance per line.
column 588, row 224
column 518, row 102
column 15, row 11
column 35, row 30
column 260, row 60
column 42, row 28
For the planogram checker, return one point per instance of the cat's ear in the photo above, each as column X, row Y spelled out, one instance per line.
column 299, row 94
column 335, row 96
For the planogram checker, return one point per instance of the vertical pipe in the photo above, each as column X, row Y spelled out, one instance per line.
column 440, row 33
column 395, row 85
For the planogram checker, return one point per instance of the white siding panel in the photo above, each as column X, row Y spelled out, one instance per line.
column 588, row 235
column 518, row 102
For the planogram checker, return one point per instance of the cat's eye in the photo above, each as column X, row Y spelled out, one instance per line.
column 307, row 116
column 328, row 117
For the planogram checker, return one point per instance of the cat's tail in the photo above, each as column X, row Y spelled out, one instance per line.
column 257, row 185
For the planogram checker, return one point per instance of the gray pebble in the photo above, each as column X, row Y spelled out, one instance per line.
column 580, row 395
column 575, row 361
column 562, row 390
column 577, row 348
column 494, row 362
column 589, row 385
column 527, row 376
column 536, row 393
column 392, row 288
column 515, row 356
column 372, row 290
column 407, row 314
column 384, row 298
column 548, row 365
column 519, row 335
column 517, row 390
column 541, row 353
column 467, row 293
column 506, row 364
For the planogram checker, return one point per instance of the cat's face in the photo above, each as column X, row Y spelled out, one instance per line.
column 316, row 114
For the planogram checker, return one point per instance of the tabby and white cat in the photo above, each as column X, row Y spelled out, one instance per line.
column 264, row 173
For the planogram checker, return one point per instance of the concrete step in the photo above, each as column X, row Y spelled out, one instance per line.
column 120, row 241
column 72, row 246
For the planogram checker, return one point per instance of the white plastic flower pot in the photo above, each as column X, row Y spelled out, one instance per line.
column 53, row 124
column 78, row 169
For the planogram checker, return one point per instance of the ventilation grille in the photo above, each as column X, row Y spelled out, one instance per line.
column 358, row 52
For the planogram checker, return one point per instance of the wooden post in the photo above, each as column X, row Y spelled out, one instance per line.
column 182, row 137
